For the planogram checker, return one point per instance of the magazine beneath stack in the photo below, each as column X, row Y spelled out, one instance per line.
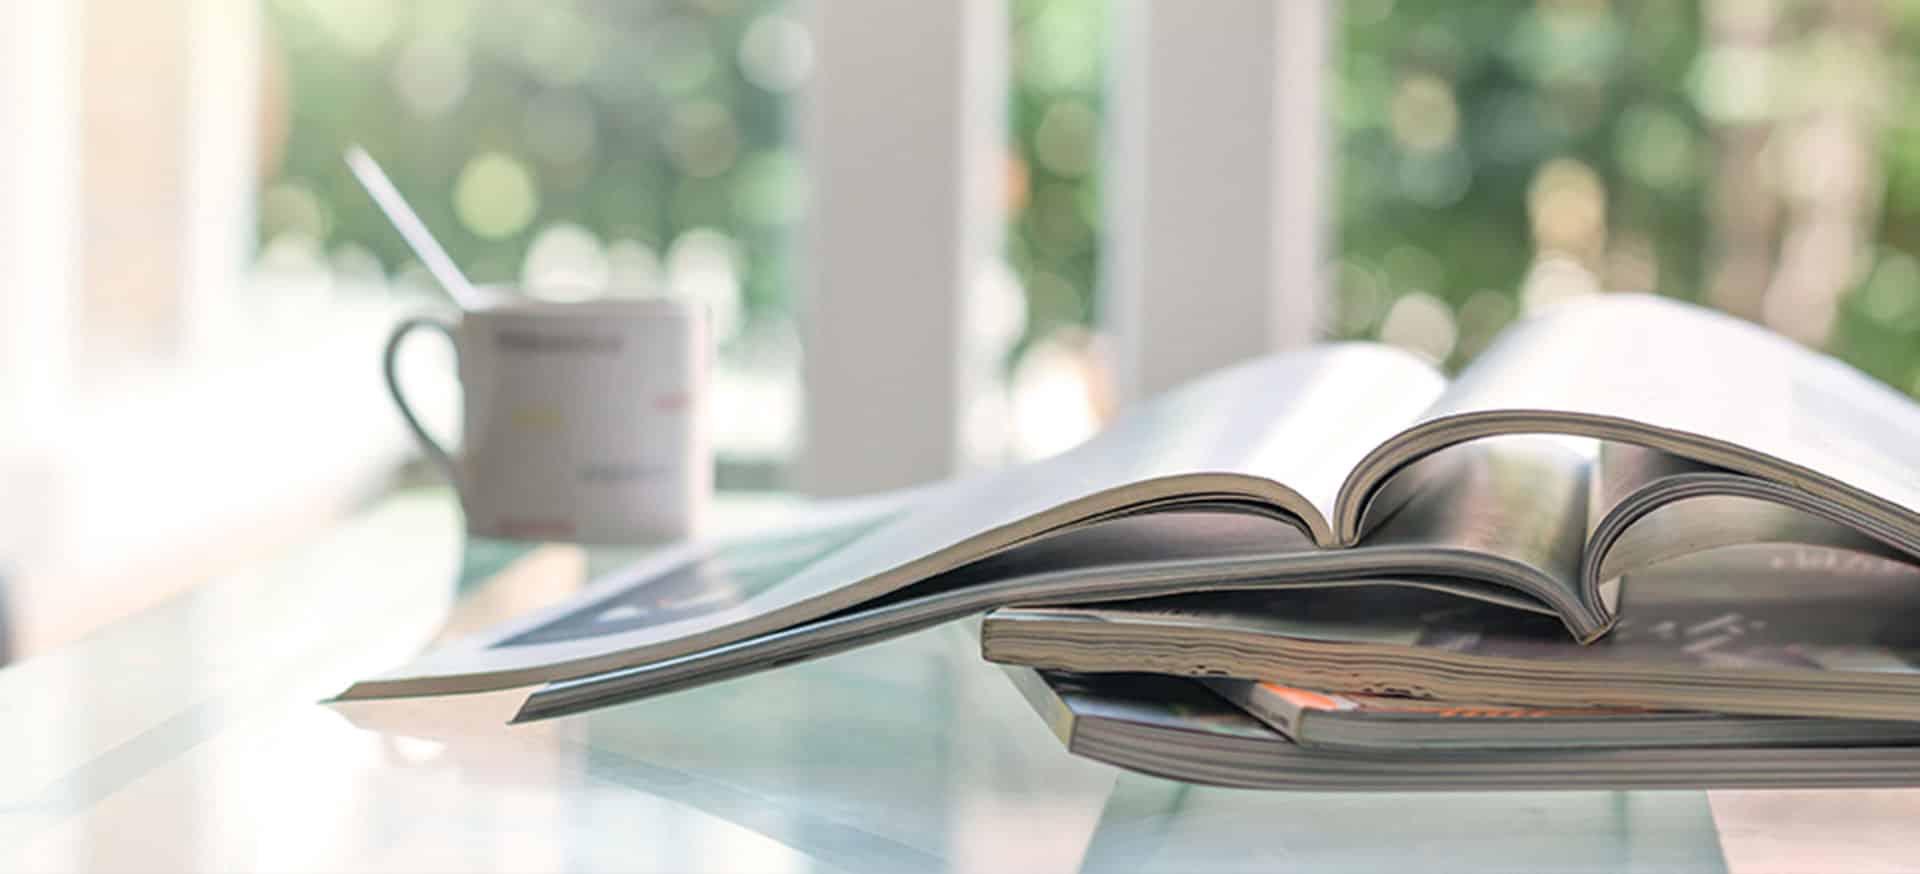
column 1172, row 727
column 1379, row 723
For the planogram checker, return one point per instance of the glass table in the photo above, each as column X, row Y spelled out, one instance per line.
column 194, row 737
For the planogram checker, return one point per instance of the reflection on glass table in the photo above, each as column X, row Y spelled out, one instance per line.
column 193, row 737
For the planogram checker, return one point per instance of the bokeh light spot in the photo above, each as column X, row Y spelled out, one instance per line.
column 291, row 205
column 1052, row 395
column 633, row 270
column 362, row 26
column 495, row 196
column 565, row 262
column 1420, row 323
column 1567, row 206
column 1554, row 280
column 1891, row 296
column 776, row 53
column 770, row 188
column 1067, row 138
column 1657, row 148
column 703, row 267
column 431, row 75
column 703, row 139
column 1424, row 115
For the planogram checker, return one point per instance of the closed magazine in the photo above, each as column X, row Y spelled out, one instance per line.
column 1374, row 723
column 1175, row 728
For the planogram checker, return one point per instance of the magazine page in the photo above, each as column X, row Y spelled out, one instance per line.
column 1686, row 380
column 1704, row 522
column 1279, row 432
column 1516, row 500
column 1649, row 507
column 1622, row 469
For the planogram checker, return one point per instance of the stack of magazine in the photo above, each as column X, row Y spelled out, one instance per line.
column 1633, row 544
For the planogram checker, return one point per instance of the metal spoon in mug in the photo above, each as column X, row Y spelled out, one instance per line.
column 414, row 231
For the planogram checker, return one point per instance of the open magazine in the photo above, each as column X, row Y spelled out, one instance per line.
column 1582, row 447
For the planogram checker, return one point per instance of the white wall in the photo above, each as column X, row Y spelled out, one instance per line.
column 145, row 445
column 39, row 208
column 39, row 235
column 170, row 120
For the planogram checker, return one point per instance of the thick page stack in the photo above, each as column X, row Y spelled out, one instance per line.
column 1376, row 723
column 1174, row 728
column 1625, row 503
column 1849, row 649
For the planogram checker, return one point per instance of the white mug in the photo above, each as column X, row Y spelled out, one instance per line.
column 582, row 421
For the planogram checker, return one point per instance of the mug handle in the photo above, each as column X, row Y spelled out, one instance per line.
column 435, row 453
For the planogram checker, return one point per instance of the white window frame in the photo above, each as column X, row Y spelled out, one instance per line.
column 1216, row 212
column 39, row 209
column 119, row 487
column 903, row 127
column 1216, row 209
column 1216, row 195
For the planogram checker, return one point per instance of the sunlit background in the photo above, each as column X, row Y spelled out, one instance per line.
column 221, row 266
column 1492, row 157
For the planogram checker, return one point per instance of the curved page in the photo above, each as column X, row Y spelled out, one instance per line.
column 1279, row 433
column 1705, row 386
column 1517, row 500
column 1698, row 512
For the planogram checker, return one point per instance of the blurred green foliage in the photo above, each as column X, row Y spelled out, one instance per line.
column 637, row 120
column 1878, row 328
column 1523, row 83
column 1459, row 129
column 1055, row 92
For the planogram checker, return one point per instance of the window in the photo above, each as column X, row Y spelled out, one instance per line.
column 1057, row 84
column 583, row 148
column 1496, row 156
column 1482, row 159
column 1493, row 157
column 573, row 149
